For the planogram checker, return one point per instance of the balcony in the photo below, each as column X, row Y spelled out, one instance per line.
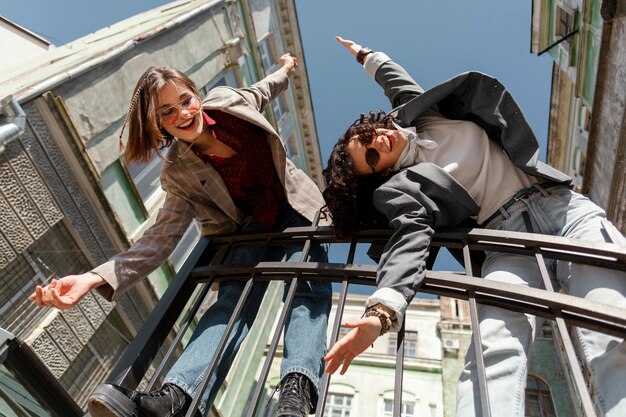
column 184, row 300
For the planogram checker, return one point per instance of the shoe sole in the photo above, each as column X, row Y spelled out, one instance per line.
column 110, row 403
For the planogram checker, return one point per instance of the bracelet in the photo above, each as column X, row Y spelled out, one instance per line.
column 363, row 52
column 383, row 316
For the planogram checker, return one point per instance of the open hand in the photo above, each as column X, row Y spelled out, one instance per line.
column 352, row 47
column 66, row 292
column 288, row 64
column 364, row 332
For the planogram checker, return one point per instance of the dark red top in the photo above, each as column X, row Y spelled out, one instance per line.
column 249, row 175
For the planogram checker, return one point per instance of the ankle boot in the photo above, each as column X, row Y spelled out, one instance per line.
column 296, row 393
column 110, row 400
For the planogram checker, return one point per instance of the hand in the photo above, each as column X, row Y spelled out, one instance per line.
column 352, row 47
column 364, row 332
column 288, row 64
column 66, row 292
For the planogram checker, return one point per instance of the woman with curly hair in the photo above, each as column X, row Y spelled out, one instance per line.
column 458, row 151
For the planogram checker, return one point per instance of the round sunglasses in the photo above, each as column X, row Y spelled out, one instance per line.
column 190, row 104
column 371, row 155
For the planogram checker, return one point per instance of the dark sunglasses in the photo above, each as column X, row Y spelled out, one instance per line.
column 371, row 155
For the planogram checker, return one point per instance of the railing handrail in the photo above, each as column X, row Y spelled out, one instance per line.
column 544, row 303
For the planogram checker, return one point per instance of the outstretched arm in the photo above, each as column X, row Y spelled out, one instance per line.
column 398, row 85
column 261, row 93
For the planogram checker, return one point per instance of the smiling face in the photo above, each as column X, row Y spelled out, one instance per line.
column 178, row 109
column 379, row 155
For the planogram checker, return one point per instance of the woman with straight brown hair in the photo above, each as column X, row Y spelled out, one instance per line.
column 226, row 168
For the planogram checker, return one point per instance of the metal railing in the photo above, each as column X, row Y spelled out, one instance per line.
column 27, row 387
column 564, row 309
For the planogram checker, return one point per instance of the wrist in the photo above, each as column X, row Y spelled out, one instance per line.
column 362, row 54
column 94, row 280
column 380, row 312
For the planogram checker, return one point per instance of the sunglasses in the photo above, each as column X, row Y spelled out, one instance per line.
column 371, row 155
column 169, row 115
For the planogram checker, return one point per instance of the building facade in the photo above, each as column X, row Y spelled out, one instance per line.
column 437, row 336
column 68, row 201
column 586, row 136
column 367, row 388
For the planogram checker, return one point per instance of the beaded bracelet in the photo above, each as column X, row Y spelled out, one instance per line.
column 383, row 316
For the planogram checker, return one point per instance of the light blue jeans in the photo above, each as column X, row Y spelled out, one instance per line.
column 508, row 335
column 305, row 329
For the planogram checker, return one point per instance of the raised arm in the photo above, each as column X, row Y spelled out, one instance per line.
column 261, row 93
column 398, row 85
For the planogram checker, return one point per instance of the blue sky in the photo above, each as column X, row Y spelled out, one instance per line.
column 433, row 39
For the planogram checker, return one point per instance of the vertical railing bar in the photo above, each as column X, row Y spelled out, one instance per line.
column 399, row 374
column 187, row 321
column 321, row 401
column 478, row 345
column 254, row 401
column 568, row 345
column 180, row 334
column 220, row 347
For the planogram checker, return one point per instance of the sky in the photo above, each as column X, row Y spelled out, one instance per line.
column 433, row 39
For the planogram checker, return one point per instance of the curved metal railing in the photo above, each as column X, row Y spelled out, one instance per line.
column 205, row 266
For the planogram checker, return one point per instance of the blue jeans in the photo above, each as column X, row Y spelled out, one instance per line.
column 305, row 329
column 507, row 335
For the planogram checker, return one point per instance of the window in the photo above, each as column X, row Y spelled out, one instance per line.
column 538, row 398
column 584, row 119
column 146, row 176
column 545, row 331
column 408, row 408
column 338, row 405
column 267, row 50
column 578, row 162
column 410, row 344
column 226, row 78
column 292, row 144
column 279, row 108
column 564, row 22
column 186, row 245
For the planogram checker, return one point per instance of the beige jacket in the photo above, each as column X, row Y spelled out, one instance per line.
column 194, row 190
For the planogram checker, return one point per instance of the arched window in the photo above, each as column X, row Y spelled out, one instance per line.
column 538, row 398
column 340, row 401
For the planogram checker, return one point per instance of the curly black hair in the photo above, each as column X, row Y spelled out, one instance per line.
column 348, row 195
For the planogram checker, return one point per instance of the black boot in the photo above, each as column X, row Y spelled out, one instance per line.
column 297, row 396
column 109, row 400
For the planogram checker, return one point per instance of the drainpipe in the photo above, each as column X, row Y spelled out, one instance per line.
column 16, row 120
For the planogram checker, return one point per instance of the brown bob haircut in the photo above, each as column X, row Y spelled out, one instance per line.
column 145, row 134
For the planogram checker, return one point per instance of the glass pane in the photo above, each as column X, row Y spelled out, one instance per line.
column 548, row 408
column 532, row 406
column 336, row 413
column 15, row 400
column 388, row 406
column 531, row 383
